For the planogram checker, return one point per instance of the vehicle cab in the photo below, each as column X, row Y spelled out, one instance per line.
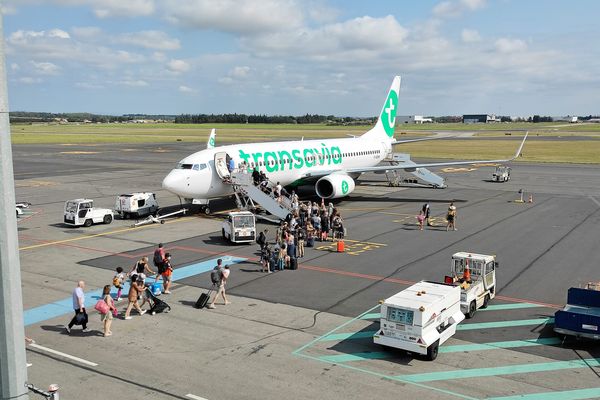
column 475, row 274
column 80, row 212
column 501, row 174
column 420, row 318
column 239, row 227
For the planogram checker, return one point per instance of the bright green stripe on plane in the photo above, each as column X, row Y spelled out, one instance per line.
column 509, row 306
column 504, row 324
column 495, row 371
column 351, row 335
column 371, row 316
column 565, row 395
column 340, row 358
column 499, row 345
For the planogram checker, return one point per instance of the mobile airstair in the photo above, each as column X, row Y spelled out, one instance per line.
column 248, row 196
column 423, row 174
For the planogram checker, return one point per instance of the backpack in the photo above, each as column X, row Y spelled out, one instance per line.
column 162, row 267
column 215, row 276
column 157, row 258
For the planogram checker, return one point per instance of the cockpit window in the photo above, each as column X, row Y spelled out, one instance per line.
column 202, row 166
column 196, row 167
column 184, row 166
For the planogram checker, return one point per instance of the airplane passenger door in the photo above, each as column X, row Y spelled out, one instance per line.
column 221, row 165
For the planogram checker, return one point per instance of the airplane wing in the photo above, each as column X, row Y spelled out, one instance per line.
column 410, row 166
column 413, row 166
column 418, row 140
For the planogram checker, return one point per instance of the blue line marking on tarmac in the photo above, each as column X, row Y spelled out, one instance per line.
column 505, row 324
column 576, row 394
column 65, row 306
column 495, row 371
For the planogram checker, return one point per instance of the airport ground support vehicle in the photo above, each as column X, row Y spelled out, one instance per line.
column 239, row 227
column 135, row 205
column 475, row 274
column 80, row 212
column 581, row 315
column 20, row 206
column 420, row 318
column 501, row 174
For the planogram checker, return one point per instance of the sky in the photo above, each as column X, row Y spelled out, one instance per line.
column 292, row 57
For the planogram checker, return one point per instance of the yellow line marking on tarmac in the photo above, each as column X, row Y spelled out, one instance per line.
column 101, row 234
column 353, row 247
column 64, row 170
column 79, row 152
column 36, row 184
column 462, row 169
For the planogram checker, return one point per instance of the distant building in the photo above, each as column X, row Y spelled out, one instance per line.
column 479, row 118
column 412, row 119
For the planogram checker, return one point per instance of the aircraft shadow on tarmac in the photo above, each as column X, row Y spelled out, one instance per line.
column 386, row 199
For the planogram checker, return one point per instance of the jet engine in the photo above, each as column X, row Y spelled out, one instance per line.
column 335, row 185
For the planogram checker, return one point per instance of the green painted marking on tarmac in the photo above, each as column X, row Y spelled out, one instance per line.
column 510, row 306
column 349, row 335
column 505, row 370
column 371, row 316
column 499, row 345
column 576, row 394
column 340, row 358
column 505, row 324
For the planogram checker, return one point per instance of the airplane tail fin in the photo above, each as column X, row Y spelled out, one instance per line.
column 210, row 144
column 384, row 128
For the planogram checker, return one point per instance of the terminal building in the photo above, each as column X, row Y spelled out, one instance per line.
column 412, row 119
column 479, row 118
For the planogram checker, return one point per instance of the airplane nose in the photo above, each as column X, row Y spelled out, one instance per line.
column 173, row 183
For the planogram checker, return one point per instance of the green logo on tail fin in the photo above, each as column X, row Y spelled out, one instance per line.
column 388, row 114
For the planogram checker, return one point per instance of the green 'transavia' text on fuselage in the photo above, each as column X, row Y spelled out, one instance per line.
column 294, row 159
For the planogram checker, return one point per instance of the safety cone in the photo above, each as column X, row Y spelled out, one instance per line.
column 340, row 246
column 530, row 198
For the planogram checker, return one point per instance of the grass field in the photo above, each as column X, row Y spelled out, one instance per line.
column 562, row 151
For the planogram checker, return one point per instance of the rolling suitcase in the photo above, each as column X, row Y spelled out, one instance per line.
column 203, row 299
column 293, row 263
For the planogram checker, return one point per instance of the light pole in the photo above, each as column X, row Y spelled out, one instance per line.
column 13, row 369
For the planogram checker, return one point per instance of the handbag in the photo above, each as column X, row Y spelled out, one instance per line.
column 81, row 318
column 101, row 307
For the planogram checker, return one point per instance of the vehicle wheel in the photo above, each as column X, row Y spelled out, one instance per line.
column 223, row 233
column 87, row 223
column 206, row 210
column 432, row 351
column 17, row 214
column 107, row 219
column 486, row 301
column 162, row 221
column 472, row 309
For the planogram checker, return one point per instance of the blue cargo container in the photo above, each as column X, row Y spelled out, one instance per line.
column 581, row 315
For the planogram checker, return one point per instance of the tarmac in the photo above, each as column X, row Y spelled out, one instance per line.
column 306, row 334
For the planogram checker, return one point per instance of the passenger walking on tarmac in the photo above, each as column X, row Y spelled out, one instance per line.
column 451, row 217
column 421, row 219
column 265, row 258
column 158, row 259
column 167, row 272
column 118, row 281
column 108, row 317
column 324, row 226
column 224, row 274
column 142, row 268
column 81, row 317
column 135, row 290
column 262, row 239
column 426, row 210
column 301, row 237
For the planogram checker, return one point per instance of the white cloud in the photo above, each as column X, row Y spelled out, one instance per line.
column 88, row 85
column 455, row 8
column 178, row 66
column 157, row 40
column 236, row 16
column 226, row 80
column 86, row 32
column 28, row 80
column 506, row 45
column 186, row 89
column 240, row 72
column 45, row 68
column 470, row 36
column 122, row 8
column 133, row 82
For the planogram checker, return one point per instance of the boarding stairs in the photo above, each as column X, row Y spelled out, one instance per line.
column 247, row 196
column 395, row 179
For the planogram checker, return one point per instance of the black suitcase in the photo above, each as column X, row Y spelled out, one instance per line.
column 293, row 263
column 310, row 242
column 203, row 300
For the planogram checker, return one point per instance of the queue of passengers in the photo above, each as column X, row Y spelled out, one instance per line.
column 308, row 222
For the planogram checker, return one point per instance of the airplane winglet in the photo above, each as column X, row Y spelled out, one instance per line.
column 518, row 153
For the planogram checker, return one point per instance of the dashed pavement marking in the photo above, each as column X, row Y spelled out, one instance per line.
column 64, row 355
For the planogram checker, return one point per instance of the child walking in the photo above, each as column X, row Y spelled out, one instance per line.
column 118, row 281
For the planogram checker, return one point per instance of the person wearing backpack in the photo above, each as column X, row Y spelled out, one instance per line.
column 222, row 273
column 158, row 258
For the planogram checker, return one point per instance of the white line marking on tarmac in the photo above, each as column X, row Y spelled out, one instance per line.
column 595, row 201
column 58, row 353
column 193, row 396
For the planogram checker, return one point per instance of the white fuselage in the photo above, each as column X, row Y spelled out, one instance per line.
column 286, row 162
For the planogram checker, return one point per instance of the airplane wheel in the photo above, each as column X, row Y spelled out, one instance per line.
column 107, row 219
column 87, row 223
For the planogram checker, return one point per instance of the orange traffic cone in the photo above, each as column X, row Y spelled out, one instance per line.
column 340, row 246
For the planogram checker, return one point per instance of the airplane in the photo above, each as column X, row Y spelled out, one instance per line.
column 332, row 165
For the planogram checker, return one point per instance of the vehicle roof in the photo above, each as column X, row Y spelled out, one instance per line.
column 80, row 200
column 473, row 256
column 236, row 213
column 136, row 194
column 430, row 293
